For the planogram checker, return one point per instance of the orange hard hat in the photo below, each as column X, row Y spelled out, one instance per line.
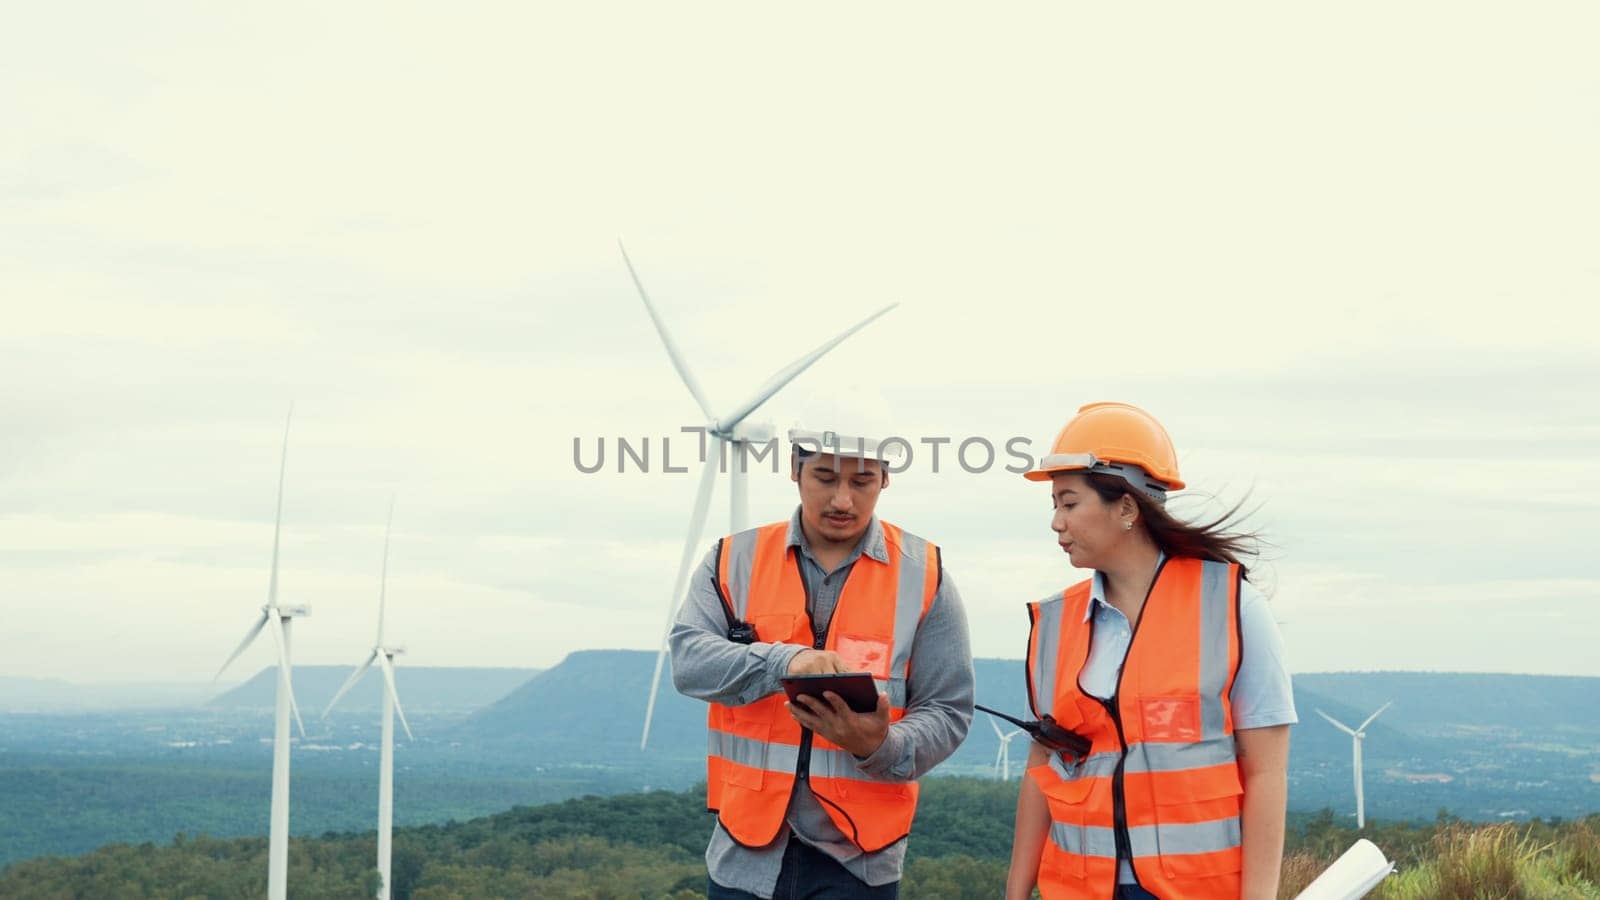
column 1116, row 439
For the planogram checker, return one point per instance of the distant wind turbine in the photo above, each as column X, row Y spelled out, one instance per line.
column 1002, row 760
column 276, row 620
column 383, row 655
column 1357, row 736
column 727, row 432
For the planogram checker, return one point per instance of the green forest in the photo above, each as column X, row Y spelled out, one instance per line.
column 62, row 807
column 649, row 845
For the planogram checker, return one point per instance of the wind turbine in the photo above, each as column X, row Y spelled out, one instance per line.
column 1002, row 760
column 1357, row 735
column 383, row 655
column 277, row 619
column 727, row 432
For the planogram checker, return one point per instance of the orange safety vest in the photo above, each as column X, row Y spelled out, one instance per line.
column 758, row 751
column 1160, row 785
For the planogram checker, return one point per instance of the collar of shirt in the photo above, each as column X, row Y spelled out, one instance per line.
column 871, row 543
column 1097, row 591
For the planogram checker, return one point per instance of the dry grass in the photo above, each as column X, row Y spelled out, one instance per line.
column 1489, row 862
column 1578, row 854
column 1484, row 863
column 1299, row 870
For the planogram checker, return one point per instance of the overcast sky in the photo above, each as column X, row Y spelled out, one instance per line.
column 1346, row 254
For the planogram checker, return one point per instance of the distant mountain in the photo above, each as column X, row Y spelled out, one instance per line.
column 52, row 695
column 1314, row 741
column 1443, row 702
column 592, row 704
column 1001, row 686
column 422, row 688
column 34, row 694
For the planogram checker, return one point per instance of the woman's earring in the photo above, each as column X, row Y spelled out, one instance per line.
column 1127, row 525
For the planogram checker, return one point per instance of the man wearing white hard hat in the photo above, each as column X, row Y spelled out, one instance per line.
column 812, row 798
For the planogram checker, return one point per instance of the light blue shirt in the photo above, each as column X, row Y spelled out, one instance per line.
column 1262, row 694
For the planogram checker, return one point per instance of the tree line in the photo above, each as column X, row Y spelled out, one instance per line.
column 650, row 845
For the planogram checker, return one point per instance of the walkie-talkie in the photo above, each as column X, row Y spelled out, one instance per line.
column 1048, row 734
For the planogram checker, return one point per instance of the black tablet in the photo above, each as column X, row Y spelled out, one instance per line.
column 856, row 688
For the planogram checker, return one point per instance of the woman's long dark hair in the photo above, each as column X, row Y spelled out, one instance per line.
column 1219, row 539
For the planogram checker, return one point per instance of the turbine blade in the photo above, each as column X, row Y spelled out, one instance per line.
column 1337, row 724
column 350, row 682
column 1375, row 715
column 678, row 362
column 283, row 664
column 248, row 637
column 790, row 372
column 996, row 726
column 277, row 520
column 691, row 546
column 394, row 695
column 383, row 577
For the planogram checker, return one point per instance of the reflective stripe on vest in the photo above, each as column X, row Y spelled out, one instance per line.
column 755, row 751
column 1179, row 773
column 1149, row 840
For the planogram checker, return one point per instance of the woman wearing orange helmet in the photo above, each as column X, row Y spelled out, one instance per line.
column 1168, row 663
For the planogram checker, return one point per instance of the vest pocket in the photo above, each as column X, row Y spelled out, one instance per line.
column 864, row 653
column 778, row 628
column 742, row 774
column 1170, row 718
column 747, row 742
column 1068, row 815
column 854, row 789
column 1197, row 832
column 744, row 763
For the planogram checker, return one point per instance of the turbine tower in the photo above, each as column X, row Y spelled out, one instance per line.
column 383, row 654
column 1002, row 760
column 276, row 619
column 729, row 432
column 1357, row 736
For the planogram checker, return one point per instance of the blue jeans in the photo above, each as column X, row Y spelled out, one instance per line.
column 1134, row 892
column 810, row 874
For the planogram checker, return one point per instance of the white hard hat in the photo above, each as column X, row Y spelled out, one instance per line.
column 883, row 449
column 848, row 421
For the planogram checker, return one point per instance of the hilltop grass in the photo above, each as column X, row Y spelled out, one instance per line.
column 1484, row 862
